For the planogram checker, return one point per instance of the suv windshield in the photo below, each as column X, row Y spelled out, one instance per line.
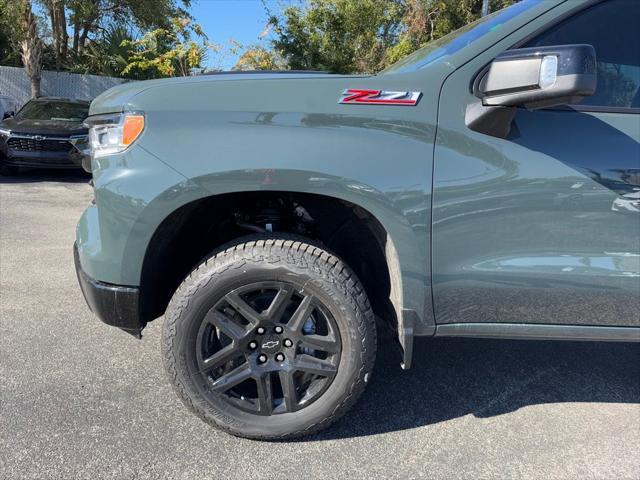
column 54, row 110
column 455, row 41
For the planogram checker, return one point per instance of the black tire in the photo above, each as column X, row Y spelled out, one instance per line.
column 322, row 304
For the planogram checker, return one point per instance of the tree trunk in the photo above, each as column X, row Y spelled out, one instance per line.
column 86, row 24
column 76, row 33
column 83, row 37
column 485, row 8
column 53, row 13
column 54, row 28
column 35, row 87
column 64, row 35
column 59, row 30
column 31, row 49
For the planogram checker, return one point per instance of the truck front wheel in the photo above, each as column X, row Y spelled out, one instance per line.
column 270, row 338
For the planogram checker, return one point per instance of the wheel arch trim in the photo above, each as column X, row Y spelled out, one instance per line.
column 406, row 255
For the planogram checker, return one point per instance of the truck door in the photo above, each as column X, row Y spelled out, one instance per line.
column 543, row 227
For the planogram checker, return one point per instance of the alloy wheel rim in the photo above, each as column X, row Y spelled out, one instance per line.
column 268, row 348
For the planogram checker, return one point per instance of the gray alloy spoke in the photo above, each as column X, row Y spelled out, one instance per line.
column 233, row 378
column 227, row 326
column 301, row 314
column 288, row 391
column 219, row 358
column 317, row 366
column 279, row 304
column 324, row 343
column 243, row 308
column 265, row 394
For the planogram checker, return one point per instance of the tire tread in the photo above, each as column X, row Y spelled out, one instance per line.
column 274, row 249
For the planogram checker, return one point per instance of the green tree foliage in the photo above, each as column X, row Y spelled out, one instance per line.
column 20, row 42
column 166, row 52
column 95, row 36
column 257, row 57
column 87, row 18
column 109, row 54
column 143, row 39
column 10, row 32
column 340, row 36
column 362, row 36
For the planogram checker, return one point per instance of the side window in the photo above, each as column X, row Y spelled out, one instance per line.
column 613, row 28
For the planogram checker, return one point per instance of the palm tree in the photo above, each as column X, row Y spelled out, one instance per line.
column 31, row 49
column 108, row 55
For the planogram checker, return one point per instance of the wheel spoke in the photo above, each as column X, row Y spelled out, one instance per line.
column 288, row 391
column 219, row 358
column 227, row 326
column 301, row 314
column 265, row 394
column 325, row 343
column 279, row 304
column 289, row 374
column 243, row 308
column 233, row 378
column 317, row 366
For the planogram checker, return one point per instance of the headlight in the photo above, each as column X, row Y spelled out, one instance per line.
column 4, row 133
column 111, row 134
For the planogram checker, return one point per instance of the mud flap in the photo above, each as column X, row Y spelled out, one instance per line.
column 405, row 336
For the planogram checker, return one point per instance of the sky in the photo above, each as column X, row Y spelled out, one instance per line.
column 241, row 20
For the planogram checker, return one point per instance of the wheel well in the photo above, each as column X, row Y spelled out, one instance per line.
column 193, row 231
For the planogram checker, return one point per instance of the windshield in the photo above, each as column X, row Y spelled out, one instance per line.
column 455, row 41
column 50, row 110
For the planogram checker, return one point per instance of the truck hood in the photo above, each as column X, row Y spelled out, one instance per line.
column 43, row 127
column 118, row 99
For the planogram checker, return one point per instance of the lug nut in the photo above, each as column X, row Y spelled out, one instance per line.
column 288, row 343
column 280, row 357
column 262, row 358
column 253, row 345
column 260, row 330
column 279, row 329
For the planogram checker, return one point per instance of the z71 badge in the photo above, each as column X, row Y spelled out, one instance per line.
column 379, row 97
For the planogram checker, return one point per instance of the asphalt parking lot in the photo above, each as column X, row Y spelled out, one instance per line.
column 79, row 399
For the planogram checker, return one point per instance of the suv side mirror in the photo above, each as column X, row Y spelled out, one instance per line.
column 532, row 78
column 8, row 115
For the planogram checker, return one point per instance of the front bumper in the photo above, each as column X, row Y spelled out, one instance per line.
column 39, row 158
column 115, row 305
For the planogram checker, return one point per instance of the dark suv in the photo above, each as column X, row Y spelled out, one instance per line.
column 43, row 134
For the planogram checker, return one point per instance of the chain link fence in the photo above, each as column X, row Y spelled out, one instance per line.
column 15, row 84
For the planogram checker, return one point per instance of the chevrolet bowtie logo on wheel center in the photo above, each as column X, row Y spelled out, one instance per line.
column 271, row 344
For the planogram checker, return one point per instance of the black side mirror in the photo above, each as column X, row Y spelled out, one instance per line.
column 532, row 78
column 8, row 115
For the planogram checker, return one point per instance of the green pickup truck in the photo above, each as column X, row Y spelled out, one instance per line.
column 486, row 186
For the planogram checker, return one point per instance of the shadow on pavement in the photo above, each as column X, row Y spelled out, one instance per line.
column 451, row 378
column 47, row 175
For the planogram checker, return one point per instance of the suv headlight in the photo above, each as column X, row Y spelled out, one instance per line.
column 4, row 133
column 113, row 133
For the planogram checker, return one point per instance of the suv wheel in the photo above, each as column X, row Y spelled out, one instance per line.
column 270, row 338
